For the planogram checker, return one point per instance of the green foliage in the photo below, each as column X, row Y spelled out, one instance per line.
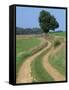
column 56, row 43
column 47, row 21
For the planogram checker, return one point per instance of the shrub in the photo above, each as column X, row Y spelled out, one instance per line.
column 56, row 43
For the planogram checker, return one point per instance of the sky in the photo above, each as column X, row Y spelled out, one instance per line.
column 27, row 17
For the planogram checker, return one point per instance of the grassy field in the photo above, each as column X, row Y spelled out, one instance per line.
column 58, row 61
column 23, row 45
column 63, row 34
column 26, row 44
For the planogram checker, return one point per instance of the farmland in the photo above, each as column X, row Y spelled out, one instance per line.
column 39, row 66
column 26, row 44
column 23, row 46
column 58, row 33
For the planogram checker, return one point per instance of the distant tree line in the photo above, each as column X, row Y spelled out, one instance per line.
column 28, row 31
column 20, row 31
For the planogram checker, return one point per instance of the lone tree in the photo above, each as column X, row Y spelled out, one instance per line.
column 47, row 21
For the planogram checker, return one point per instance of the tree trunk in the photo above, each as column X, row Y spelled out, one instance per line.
column 46, row 35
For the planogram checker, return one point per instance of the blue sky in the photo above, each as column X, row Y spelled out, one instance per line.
column 27, row 17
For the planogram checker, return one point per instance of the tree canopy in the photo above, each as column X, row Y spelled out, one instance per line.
column 47, row 21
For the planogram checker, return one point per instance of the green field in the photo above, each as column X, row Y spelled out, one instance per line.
column 26, row 44
column 63, row 34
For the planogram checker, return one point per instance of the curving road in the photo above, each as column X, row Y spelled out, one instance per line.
column 49, row 68
column 24, row 75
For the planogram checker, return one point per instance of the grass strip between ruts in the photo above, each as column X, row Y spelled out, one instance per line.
column 37, row 70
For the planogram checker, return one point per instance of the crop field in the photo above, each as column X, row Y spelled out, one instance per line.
column 47, row 64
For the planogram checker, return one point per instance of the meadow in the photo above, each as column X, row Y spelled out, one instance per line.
column 63, row 34
column 26, row 44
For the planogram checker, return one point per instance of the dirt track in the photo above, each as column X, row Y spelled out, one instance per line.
column 49, row 68
column 24, row 75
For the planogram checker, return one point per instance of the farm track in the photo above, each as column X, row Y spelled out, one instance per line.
column 24, row 75
column 49, row 68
